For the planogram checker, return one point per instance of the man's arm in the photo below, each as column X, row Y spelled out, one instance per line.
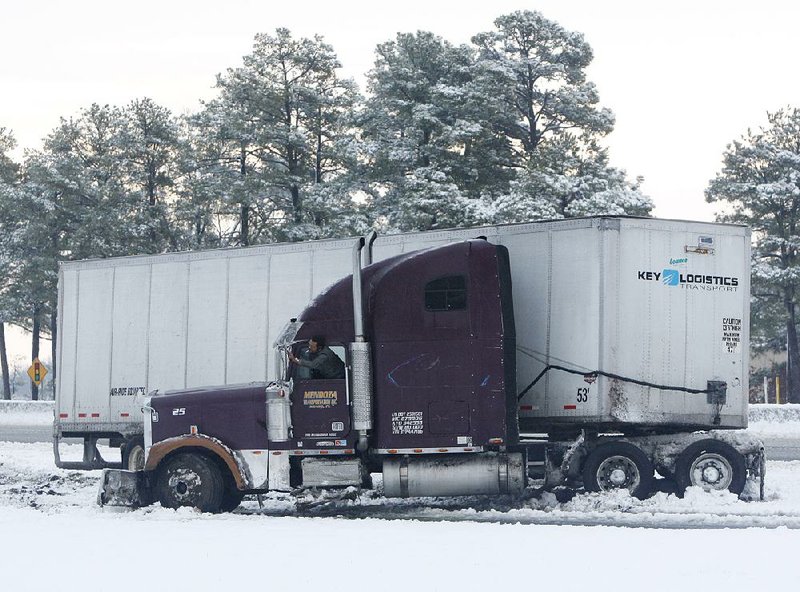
column 315, row 364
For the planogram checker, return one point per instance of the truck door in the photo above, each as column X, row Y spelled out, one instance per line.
column 320, row 408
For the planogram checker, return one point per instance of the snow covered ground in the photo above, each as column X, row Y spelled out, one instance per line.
column 54, row 536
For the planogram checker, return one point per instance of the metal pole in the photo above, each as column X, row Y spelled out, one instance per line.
column 766, row 389
column 777, row 390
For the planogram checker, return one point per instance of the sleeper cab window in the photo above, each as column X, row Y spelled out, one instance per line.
column 446, row 294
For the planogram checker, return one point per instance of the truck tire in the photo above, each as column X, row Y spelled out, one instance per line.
column 133, row 454
column 712, row 465
column 618, row 465
column 192, row 480
column 231, row 500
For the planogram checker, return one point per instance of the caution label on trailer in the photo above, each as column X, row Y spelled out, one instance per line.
column 732, row 334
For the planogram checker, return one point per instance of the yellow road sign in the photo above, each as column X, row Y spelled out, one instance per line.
column 37, row 372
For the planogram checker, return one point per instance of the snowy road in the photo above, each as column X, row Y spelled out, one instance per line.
column 310, row 541
column 28, row 479
column 26, row 433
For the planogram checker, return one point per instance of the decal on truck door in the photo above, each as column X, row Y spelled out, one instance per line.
column 320, row 399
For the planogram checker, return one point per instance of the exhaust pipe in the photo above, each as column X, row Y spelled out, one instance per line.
column 358, row 306
column 361, row 354
column 368, row 250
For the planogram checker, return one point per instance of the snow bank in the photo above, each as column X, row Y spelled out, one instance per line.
column 774, row 413
column 774, row 420
column 35, row 407
column 26, row 413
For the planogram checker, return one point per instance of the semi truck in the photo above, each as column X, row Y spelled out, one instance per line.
column 598, row 353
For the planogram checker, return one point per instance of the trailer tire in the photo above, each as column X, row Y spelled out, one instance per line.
column 712, row 465
column 189, row 479
column 618, row 465
column 133, row 454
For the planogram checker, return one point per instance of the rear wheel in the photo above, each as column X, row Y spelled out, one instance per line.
column 618, row 465
column 191, row 480
column 712, row 465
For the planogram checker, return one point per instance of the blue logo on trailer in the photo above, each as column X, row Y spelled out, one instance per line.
column 671, row 277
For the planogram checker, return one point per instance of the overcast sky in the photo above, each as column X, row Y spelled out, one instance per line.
column 684, row 78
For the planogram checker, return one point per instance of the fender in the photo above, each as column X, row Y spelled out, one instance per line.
column 161, row 449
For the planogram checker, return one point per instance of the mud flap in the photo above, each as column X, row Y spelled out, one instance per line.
column 124, row 488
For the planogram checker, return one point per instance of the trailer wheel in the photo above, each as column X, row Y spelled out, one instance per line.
column 192, row 480
column 618, row 465
column 133, row 454
column 712, row 465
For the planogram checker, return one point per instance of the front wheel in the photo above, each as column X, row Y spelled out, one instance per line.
column 618, row 465
column 712, row 465
column 231, row 500
column 191, row 480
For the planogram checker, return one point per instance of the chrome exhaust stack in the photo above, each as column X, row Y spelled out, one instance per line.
column 368, row 247
column 361, row 352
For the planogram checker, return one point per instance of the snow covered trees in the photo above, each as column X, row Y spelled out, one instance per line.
column 275, row 143
column 9, row 172
column 549, row 112
column 759, row 185
column 504, row 130
column 424, row 133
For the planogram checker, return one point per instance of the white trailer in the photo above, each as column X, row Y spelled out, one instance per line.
column 629, row 325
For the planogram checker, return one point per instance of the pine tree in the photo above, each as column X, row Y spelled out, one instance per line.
column 276, row 133
column 567, row 178
column 535, row 72
column 427, row 142
column 538, row 70
column 9, row 173
column 759, row 185
column 150, row 144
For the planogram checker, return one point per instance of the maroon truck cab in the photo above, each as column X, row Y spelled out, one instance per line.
column 440, row 328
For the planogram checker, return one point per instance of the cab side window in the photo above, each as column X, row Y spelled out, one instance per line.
column 446, row 294
column 339, row 351
column 303, row 352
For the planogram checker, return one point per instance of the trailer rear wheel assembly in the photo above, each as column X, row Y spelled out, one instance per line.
column 133, row 454
column 191, row 480
column 618, row 465
column 712, row 465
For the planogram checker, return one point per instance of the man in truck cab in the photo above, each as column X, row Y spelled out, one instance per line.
column 323, row 362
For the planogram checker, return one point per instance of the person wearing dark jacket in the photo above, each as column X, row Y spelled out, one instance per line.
column 323, row 363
